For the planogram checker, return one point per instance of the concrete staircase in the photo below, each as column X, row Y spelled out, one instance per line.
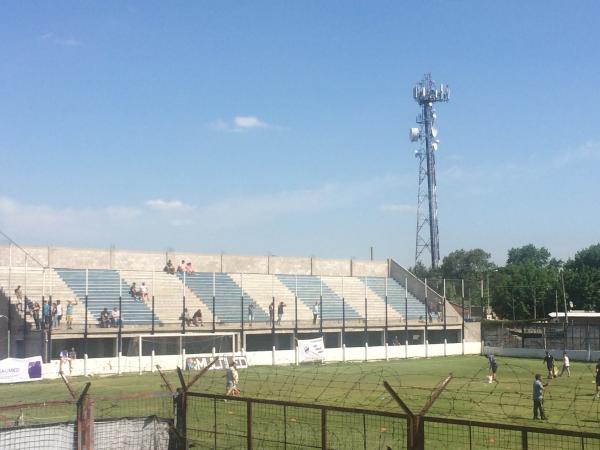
column 168, row 291
column 36, row 283
column 354, row 291
column 309, row 290
column 262, row 288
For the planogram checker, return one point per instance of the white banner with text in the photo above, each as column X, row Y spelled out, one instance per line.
column 311, row 349
column 14, row 370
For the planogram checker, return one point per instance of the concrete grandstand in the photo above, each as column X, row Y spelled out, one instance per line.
column 358, row 302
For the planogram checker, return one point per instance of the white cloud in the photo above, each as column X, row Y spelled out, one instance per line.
column 249, row 122
column 398, row 208
column 167, row 205
column 240, row 124
column 145, row 226
column 61, row 40
column 588, row 151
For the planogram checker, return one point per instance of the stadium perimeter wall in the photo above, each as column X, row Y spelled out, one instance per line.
column 574, row 355
column 140, row 364
column 111, row 258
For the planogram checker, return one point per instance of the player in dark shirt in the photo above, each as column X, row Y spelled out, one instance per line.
column 549, row 360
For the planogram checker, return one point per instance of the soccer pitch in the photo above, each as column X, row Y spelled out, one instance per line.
column 569, row 402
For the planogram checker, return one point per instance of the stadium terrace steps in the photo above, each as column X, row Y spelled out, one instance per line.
column 168, row 291
column 354, row 291
column 263, row 288
column 104, row 288
column 309, row 289
column 228, row 296
column 38, row 283
column 397, row 297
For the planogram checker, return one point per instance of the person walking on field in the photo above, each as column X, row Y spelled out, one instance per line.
column 566, row 365
column 232, row 378
column 549, row 360
column 538, row 398
column 493, row 367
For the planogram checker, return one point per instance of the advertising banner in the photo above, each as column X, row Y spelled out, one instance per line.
column 200, row 362
column 14, row 370
column 311, row 349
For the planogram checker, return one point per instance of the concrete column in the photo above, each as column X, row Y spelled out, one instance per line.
column 140, row 355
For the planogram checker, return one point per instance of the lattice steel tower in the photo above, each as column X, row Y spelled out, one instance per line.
column 426, row 93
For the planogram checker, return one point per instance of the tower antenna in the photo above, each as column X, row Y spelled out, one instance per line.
column 426, row 93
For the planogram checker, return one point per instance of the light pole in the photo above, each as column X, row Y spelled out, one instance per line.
column 7, row 335
column 487, row 278
column 566, row 319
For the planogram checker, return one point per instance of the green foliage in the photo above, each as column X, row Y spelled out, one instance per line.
column 529, row 254
column 528, row 286
column 466, row 264
column 582, row 278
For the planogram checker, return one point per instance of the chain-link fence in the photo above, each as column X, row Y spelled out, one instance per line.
column 541, row 335
column 126, row 422
column 217, row 421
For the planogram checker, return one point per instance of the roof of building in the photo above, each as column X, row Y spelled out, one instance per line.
column 575, row 313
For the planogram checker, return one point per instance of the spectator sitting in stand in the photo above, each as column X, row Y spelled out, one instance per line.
column 144, row 292
column 169, row 268
column 104, row 318
column 115, row 317
column 181, row 266
column 189, row 268
column 135, row 292
column 185, row 317
column 197, row 318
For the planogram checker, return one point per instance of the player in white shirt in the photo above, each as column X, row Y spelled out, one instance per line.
column 565, row 367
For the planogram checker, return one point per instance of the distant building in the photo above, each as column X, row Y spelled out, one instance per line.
column 577, row 317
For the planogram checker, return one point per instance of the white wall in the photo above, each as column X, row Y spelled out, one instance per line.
column 133, row 364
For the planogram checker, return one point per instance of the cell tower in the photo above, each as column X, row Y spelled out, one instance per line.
column 426, row 93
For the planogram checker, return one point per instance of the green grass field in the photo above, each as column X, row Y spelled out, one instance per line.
column 570, row 402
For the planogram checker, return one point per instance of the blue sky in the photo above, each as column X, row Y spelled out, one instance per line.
column 282, row 127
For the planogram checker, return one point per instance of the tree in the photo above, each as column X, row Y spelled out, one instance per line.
column 582, row 278
column 528, row 286
column 539, row 257
column 466, row 264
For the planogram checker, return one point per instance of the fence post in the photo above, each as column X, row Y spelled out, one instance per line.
column 85, row 421
column 179, row 403
column 323, row 428
column 524, row 444
column 249, row 425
